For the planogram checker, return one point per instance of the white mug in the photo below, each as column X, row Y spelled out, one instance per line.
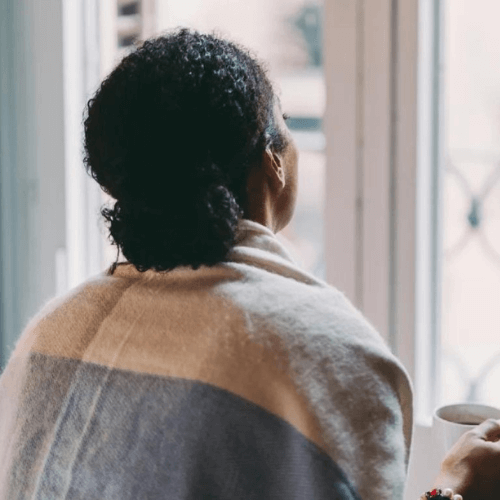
column 451, row 421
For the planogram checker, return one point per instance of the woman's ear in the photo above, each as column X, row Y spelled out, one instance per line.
column 273, row 164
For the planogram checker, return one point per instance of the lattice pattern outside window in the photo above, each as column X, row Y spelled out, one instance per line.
column 471, row 280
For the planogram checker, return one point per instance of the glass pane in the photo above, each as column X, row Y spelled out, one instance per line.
column 285, row 34
column 470, row 364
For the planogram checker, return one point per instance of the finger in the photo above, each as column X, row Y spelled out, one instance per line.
column 489, row 430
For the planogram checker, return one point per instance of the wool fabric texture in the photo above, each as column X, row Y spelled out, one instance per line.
column 249, row 379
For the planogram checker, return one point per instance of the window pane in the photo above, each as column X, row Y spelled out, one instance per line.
column 285, row 34
column 470, row 364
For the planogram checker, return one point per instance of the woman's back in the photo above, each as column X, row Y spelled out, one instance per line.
column 249, row 379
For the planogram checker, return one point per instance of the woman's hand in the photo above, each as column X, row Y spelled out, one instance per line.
column 472, row 467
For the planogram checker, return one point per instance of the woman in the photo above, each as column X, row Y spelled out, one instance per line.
column 207, row 365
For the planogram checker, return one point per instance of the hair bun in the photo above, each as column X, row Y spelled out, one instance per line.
column 194, row 233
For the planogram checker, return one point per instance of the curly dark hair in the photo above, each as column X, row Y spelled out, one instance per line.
column 171, row 134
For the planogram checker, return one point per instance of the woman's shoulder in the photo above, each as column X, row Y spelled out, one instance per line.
column 315, row 321
column 62, row 324
column 298, row 301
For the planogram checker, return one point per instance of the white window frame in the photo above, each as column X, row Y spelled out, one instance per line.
column 82, row 62
column 382, row 123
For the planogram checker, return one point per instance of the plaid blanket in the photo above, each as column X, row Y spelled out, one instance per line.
column 251, row 379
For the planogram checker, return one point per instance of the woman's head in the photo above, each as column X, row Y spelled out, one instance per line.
column 172, row 134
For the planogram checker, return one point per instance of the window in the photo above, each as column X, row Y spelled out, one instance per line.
column 395, row 114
